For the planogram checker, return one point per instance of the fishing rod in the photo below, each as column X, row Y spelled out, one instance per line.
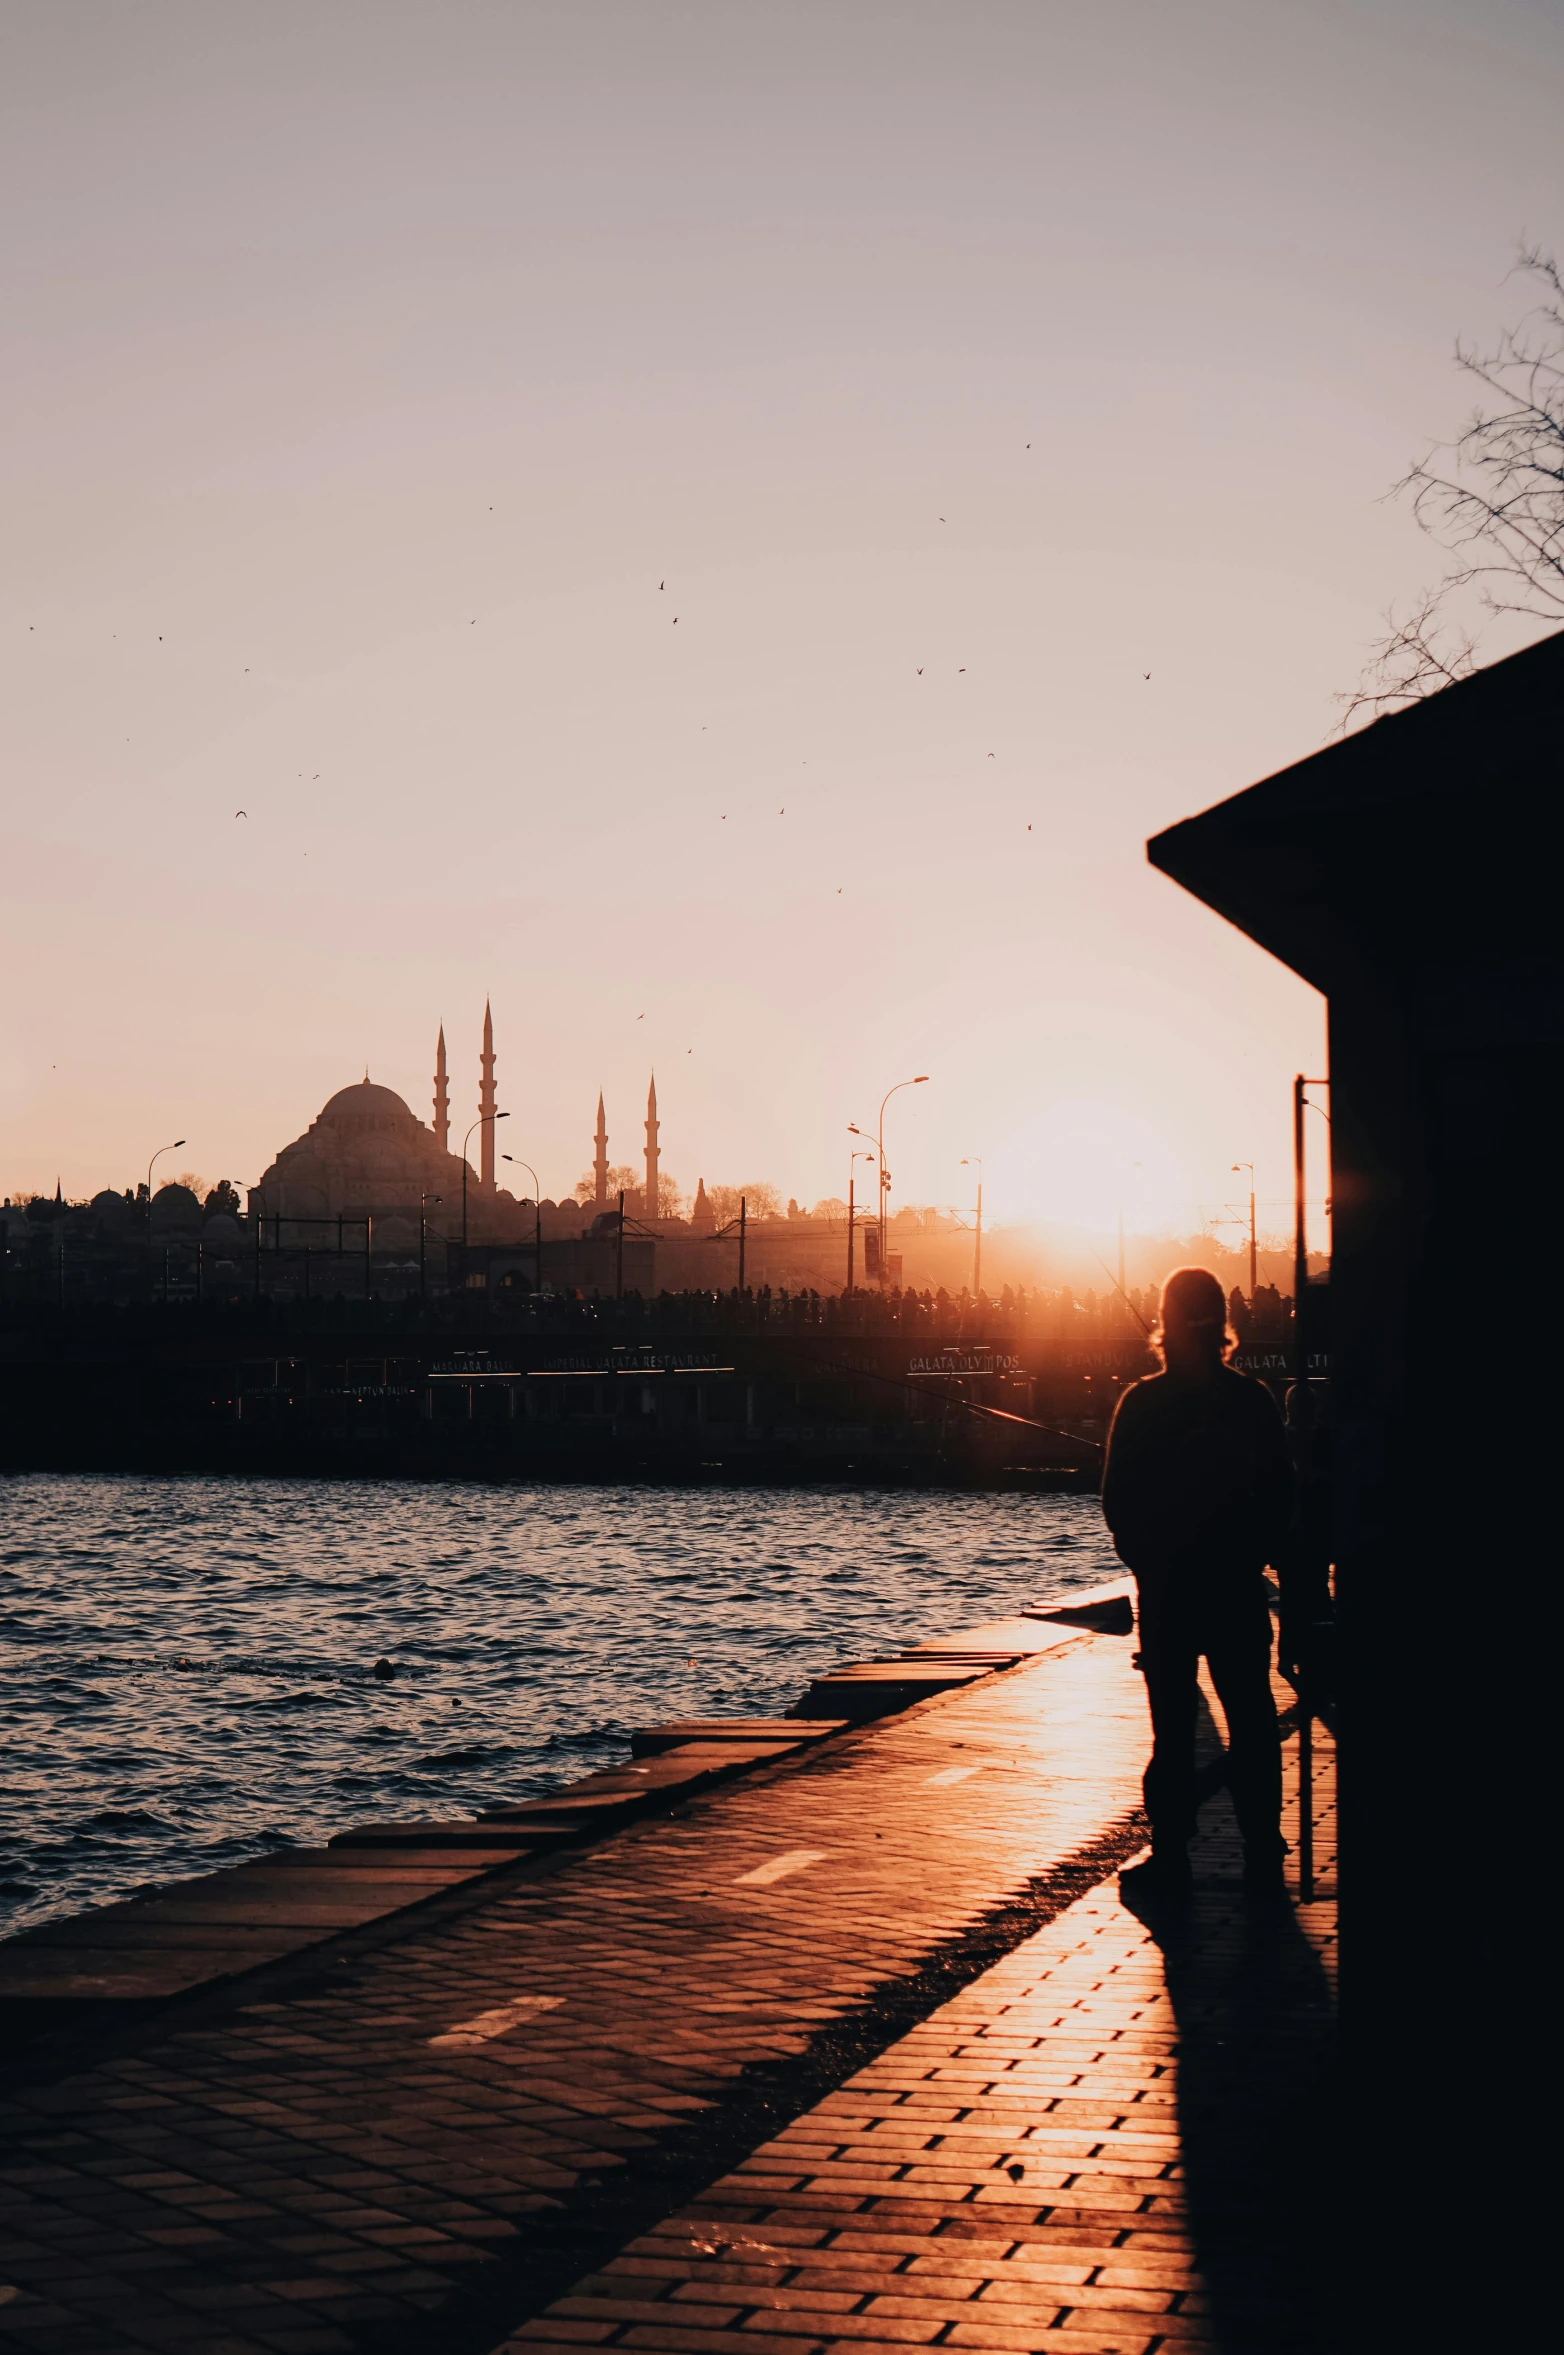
column 967, row 1406
column 1123, row 1295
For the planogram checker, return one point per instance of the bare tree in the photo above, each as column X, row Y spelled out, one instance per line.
column 620, row 1176
column 761, row 1199
column 1493, row 499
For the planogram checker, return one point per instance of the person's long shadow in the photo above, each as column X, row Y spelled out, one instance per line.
column 1256, row 2085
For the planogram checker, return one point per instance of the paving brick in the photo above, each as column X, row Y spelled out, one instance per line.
column 1087, row 2033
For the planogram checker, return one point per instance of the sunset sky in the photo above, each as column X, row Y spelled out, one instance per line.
column 662, row 515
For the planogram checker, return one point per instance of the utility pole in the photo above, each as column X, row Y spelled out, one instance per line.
column 1254, row 1253
column 918, row 1081
column 743, row 1216
column 1300, row 1245
column 484, row 1121
column 977, row 1247
column 423, row 1225
column 853, row 1160
column 619, row 1251
column 1238, row 1169
column 1300, row 1285
column 151, row 1165
column 537, row 1213
column 976, row 1162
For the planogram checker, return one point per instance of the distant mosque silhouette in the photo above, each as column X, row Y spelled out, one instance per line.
column 366, row 1153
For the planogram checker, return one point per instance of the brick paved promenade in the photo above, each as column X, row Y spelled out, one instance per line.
column 422, row 2135
column 1110, row 2142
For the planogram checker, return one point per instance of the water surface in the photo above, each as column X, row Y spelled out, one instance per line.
column 185, row 1664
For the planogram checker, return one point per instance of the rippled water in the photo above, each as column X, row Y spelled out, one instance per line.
column 185, row 1663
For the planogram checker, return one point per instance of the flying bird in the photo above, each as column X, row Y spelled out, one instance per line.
column 241, row 813
column 675, row 621
column 1145, row 674
column 1029, row 829
column 960, row 667
column 661, row 586
column 640, row 1017
column 920, row 670
column 990, row 756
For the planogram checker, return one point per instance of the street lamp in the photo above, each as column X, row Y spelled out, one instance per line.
column 157, row 1156
column 1249, row 1165
column 425, row 1196
column 466, row 1141
column 919, row 1080
column 976, row 1162
column 537, row 1208
column 853, row 1160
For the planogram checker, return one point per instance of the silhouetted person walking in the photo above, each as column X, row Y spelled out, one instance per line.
column 1198, row 1492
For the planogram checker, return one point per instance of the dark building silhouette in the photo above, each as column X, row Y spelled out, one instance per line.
column 1410, row 872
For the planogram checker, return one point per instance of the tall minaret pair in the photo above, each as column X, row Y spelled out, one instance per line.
column 487, row 1105
column 649, row 1197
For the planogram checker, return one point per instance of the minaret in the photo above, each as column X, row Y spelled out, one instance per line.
column 442, row 1099
column 649, row 1205
column 600, row 1158
column 486, row 1101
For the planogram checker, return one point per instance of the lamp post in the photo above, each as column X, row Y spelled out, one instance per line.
column 1300, row 1258
column 1253, row 1260
column 920, row 1079
column 975, row 1161
column 537, row 1209
column 157, row 1156
column 852, row 1162
column 466, row 1141
column 425, row 1196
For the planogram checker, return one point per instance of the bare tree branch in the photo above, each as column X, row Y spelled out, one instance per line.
column 1419, row 654
column 1493, row 499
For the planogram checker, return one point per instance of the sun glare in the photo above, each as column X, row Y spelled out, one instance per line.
column 1084, row 1160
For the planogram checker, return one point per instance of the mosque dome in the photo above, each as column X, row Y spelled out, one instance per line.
column 175, row 1207
column 368, row 1101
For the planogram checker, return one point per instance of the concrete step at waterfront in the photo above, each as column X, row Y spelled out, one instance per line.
column 462, row 1834
column 754, row 1731
column 220, row 1924
column 881, row 1688
column 1022, row 1633
column 620, row 1794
